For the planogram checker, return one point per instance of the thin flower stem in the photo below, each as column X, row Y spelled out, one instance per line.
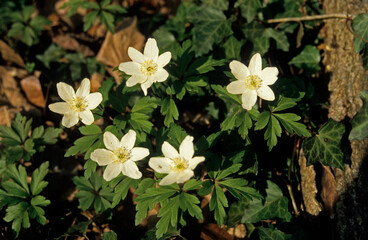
column 311, row 18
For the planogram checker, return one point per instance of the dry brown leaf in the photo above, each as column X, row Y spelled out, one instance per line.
column 9, row 55
column 240, row 231
column 17, row 72
column 96, row 81
column 11, row 90
column 32, row 88
column 69, row 43
column 214, row 231
column 328, row 193
column 114, row 49
column 5, row 116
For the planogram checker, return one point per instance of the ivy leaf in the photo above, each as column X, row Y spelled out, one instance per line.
column 282, row 42
column 248, row 8
column 359, row 122
column 210, row 27
column 275, row 205
column 325, row 147
column 166, row 41
column 272, row 234
column 360, row 27
column 233, row 47
column 308, row 59
column 52, row 54
column 222, row 5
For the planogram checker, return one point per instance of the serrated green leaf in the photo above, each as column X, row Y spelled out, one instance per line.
column 272, row 132
column 308, row 59
column 192, row 184
column 107, row 19
column 37, row 185
column 89, row 20
column 210, row 27
column 236, row 212
column 218, row 4
column 168, row 216
column 115, row 9
column 218, row 203
column 289, row 121
column 19, row 176
column 360, row 27
column 274, row 206
column 52, row 54
column 262, row 120
column 169, row 110
column 239, row 188
column 82, row 144
column 121, row 191
column 285, row 103
column 229, row 122
column 7, row 132
column 203, row 65
column 190, row 203
column 139, row 122
column 359, row 122
column 224, row 94
column 325, row 147
column 90, row 129
column 248, row 8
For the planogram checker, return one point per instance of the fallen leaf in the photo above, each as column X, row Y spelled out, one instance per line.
column 17, row 72
column 329, row 194
column 114, row 49
column 214, row 231
column 69, row 43
column 32, row 88
column 9, row 55
column 240, row 231
column 12, row 91
column 5, row 116
column 96, row 81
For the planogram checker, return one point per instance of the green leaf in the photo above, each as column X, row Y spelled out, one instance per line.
column 37, row 185
column 203, row 65
column 272, row 234
column 239, row 188
column 360, row 27
column 52, row 54
column 359, row 122
column 262, row 120
column 107, row 19
column 89, row 20
column 325, row 147
column 168, row 215
column 210, row 27
column 176, row 135
column 40, row 201
column 218, row 4
column 19, row 215
column 169, row 110
column 225, row 95
column 218, row 203
column 308, row 59
column 274, row 206
column 285, row 103
column 166, row 41
column 190, row 202
column 90, row 130
column 139, row 122
column 289, row 121
column 233, row 47
column 192, row 184
column 229, row 122
column 110, row 235
column 248, row 8
column 121, row 191
column 272, row 132
column 282, row 42
column 19, row 176
column 115, row 9
column 145, row 105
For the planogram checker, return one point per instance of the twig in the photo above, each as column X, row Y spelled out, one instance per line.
column 311, row 18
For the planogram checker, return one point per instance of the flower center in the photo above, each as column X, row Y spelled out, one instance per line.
column 178, row 165
column 253, row 82
column 148, row 67
column 121, row 155
column 78, row 104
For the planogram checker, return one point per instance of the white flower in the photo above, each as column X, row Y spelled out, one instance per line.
column 77, row 105
column 252, row 81
column 146, row 68
column 179, row 166
column 120, row 156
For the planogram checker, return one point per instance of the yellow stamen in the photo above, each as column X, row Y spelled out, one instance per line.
column 148, row 67
column 78, row 104
column 121, row 155
column 253, row 82
column 178, row 165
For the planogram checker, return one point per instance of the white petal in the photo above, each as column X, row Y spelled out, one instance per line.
column 135, row 55
column 169, row 179
column 239, row 70
column 133, row 80
column 160, row 164
column 102, row 156
column 269, row 75
column 147, row 84
column 65, row 91
column 266, row 93
column 255, row 64
column 84, row 88
column 174, row 177
column 186, row 148
column 195, row 161
column 70, row 119
column 87, row 117
column 60, row 107
column 151, row 50
column 160, row 76
column 111, row 141
column 130, row 68
column 128, row 140
column 131, row 170
column 94, row 99
column 249, row 98
column 169, row 151
column 138, row 153
column 236, row 87
column 164, row 59
column 112, row 171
